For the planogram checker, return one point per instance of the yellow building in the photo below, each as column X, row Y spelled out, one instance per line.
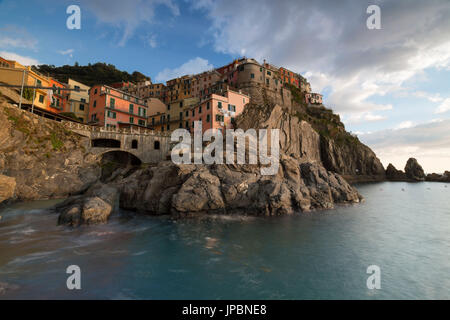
column 78, row 103
column 18, row 72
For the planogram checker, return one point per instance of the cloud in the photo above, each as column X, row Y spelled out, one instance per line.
column 150, row 40
column 66, row 52
column 404, row 125
column 127, row 15
column 429, row 143
column 444, row 106
column 15, row 37
column 193, row 66
column 330, row 43
column 27, row 61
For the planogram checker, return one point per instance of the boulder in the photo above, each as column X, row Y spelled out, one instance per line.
column 414, row 171
column 7, row 187
column 94, row 207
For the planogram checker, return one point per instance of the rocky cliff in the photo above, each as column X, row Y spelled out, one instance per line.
column 315, row 133
column 39, row 159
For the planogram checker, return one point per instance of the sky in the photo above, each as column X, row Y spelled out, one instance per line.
column 391, row 86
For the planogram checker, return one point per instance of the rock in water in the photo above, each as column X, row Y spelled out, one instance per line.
column 7, row 187
column 395, row 175
column 95, row 206
column 414, row 171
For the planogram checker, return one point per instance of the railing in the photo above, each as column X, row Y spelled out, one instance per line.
column 131, row 130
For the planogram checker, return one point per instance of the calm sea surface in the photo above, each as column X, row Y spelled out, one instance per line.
column 404, row 228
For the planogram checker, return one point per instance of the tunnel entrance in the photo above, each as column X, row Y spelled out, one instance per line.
column 118, row 163
column 105, row 143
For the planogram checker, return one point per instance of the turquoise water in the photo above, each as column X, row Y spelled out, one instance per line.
column 404, row 228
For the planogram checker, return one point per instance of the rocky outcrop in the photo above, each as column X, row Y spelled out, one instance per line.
column 305, row 135
column 354, row 160
column 46, row 160
column 395, row 175
column 228, row 189
column 297, row 138
column 94, row 207
column 7, row 188
column 435, row 177
column 414, row 171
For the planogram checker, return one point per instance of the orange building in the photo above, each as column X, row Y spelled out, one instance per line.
column 290, row 77
column 113, row 108
column 58, row 99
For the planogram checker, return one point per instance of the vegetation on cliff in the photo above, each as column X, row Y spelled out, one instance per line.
column 98, row 73
column 44, row 159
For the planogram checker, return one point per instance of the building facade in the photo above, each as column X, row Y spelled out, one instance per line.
column 78, row 101
column 218, row 111
column 113, row 108
column 58, row 98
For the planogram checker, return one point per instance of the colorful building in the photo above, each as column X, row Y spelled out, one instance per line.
column 218, row 111
column 58, row 98
column 313, row 98
column 78, row 101
column 113, row 108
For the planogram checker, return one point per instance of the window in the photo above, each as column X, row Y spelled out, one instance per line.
column 252, row 76
column 157, row 145
column 77, row 88
column 243, row 100
column 187, row 124
column 81, row 106
column 267, row 81
column 131, row 108
column 134, row 144
column 208, row 118
column 95, row 91
column 168, row 127
column 207, row 105
column 131, row 120
column 219, row 104
column 141, row 122
column 219, row 118
column 187, row 113
column 229, row 107
column 181, row 115
column 41, row 98
column 193, row 112
column 82, row 99
column 168, row 107
column 95, row 104
column 153, row 121
column 112, row 102
column 111, row 114
column 200, row 109
column 269, row 73
column 39, row 83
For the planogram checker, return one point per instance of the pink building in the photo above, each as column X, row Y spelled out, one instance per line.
column 313, row 98
column 217, row 111
column 113, row 108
